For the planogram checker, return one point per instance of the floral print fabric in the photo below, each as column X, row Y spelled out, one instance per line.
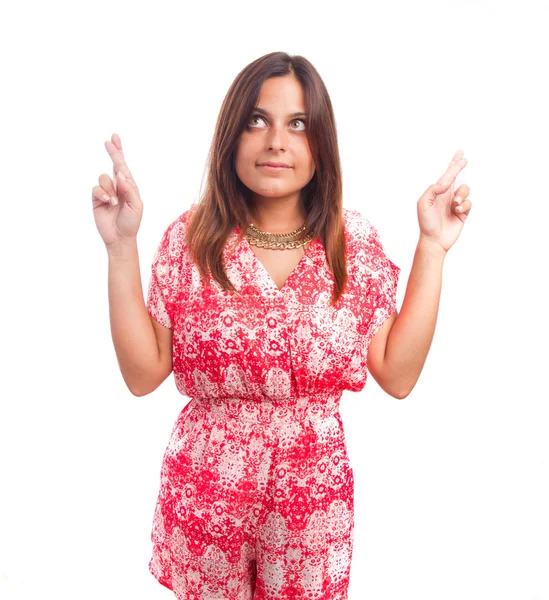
column 256, row 494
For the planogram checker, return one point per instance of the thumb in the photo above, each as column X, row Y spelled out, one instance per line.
column 127, row 190
column 434, row 190
column 430, row 195
column 120, row 184
column 120, row 177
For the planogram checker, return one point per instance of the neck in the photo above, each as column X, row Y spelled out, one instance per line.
column 277, row 217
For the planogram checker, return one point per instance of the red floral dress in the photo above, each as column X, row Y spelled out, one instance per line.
column 256, row 488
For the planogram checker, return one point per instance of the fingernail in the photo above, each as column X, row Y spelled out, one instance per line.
column 114, row 200
column 121, row 175
column 458, row 199
column 106, row 198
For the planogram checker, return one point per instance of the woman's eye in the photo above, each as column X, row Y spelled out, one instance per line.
column 255, row 117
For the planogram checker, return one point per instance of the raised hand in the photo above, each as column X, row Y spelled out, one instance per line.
column 117, row 205
column 442, row 211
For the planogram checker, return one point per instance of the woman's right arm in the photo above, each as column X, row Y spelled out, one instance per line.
column 143, row 346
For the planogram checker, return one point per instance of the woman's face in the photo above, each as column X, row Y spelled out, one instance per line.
column 275, row 134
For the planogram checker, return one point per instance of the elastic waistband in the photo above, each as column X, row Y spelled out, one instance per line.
column 268, row 411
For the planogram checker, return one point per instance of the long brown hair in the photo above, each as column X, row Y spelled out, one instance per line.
column 225, row 201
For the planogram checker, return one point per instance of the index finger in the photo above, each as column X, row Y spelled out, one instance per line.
column 457, row 163
column 114, row 148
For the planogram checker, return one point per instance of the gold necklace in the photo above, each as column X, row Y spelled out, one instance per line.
column 277, row 241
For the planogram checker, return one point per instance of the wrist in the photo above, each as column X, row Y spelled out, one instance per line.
column 431, row 246
column 121, row 248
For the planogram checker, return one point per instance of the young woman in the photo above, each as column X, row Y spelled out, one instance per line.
column 267, row 300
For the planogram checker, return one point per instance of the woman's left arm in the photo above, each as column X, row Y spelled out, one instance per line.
column 398, row 351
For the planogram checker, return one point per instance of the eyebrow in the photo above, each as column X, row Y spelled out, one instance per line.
column 266, row 112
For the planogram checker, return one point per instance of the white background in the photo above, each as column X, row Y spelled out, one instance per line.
column 452, row 483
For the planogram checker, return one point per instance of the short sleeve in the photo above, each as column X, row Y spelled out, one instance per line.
column 374, row 273
column 167, row 273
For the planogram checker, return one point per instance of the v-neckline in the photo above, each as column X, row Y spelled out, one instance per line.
column 266, row 273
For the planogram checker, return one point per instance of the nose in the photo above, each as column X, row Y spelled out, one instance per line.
column 277, row 137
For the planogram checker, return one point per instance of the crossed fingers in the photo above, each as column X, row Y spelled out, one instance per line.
column 114, row 148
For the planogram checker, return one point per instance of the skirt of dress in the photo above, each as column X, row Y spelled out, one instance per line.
column 256, row 501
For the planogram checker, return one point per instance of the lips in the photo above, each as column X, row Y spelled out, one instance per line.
column 274, row 165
